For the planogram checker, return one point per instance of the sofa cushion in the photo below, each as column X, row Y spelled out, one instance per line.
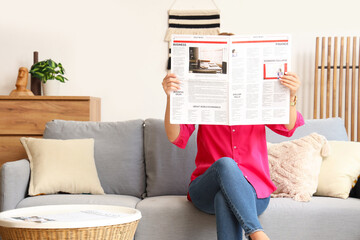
column 62, row 166
column 168, row 168
column 295, row 166
column 331, row 128
column 173, row 217
column 340, row 170
column 321, row 218
column 118, row 150
column 59, row 199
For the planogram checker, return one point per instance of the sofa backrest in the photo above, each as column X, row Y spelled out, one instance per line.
column 168, row 168
column 331, row 128
column 118, row 149
column 134, row 157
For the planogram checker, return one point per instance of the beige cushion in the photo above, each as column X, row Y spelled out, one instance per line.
column 340, row 170
column 62, row 166
column 295, row 166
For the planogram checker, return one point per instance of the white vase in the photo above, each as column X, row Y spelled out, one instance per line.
column 51, row 88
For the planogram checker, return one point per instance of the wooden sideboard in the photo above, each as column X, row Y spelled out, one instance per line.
column 27, row 116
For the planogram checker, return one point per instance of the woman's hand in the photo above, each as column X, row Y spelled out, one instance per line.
column 292, row 81
column 170, row 83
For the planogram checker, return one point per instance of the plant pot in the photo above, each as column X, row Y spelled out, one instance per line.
column 51, row 88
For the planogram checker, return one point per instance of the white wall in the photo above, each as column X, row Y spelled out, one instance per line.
column 114, row 49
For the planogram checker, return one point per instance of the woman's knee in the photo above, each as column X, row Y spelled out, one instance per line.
column 261, row 205
column 225, row 161
column 226, row 164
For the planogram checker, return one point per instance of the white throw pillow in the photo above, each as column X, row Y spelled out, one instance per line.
column 295, row 166
column 62, row 166
column 340, row 170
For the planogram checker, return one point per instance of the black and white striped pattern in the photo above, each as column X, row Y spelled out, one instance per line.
column 193, row 22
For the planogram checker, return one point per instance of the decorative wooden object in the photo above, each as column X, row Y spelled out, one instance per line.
column 21, row 84
column 27, row 116
column 341, row 97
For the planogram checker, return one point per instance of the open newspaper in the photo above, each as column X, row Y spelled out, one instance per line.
column 230, row 80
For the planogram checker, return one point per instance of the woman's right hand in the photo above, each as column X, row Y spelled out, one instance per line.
column 170, row 83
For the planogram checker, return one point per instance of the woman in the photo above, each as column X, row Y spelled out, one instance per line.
column 232, row 178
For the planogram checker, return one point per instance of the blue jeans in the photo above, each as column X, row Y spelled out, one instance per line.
column 224, row 191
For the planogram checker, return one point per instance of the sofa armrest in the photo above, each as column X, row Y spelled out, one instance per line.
column 14, row 181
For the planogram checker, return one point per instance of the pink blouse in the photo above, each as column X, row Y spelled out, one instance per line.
column 246, row 144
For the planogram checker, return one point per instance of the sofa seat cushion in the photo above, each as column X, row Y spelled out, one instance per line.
column 164, row 217
column 321, row 218
column 59, row 199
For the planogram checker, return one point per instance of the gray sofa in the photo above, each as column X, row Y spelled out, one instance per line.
column 139, row 168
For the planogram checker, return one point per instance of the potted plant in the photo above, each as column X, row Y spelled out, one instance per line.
column 49, row 70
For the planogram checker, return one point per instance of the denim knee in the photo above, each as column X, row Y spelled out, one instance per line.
column 226, row 164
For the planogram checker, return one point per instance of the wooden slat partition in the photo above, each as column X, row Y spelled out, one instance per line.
column 316, row 84
column 353, row 92
column 347, row 86
column 322, row 85
column 358, row 103
column 335, row 86
column 336, row 96
column 341, row 79
column 328, row 75
column 358, row 112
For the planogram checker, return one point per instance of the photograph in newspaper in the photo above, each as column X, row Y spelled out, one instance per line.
column 230, row 80
column 206, row 60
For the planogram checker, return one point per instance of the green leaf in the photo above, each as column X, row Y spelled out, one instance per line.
column 60, row 78
column 39, row 75
column 36, row 65
column 51, row 63
column 62, row 70
column 48, row 70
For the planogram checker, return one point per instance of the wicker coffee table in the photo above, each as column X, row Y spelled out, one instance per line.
column 96, row 222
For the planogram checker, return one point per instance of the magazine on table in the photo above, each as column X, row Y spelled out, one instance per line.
column 230, row 80
column 85, row 215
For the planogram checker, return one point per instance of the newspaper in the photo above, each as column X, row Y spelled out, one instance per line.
column 230, row 80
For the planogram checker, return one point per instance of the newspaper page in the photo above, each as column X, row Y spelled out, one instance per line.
column 200, row 63
column 230, row 80
column 256, row 94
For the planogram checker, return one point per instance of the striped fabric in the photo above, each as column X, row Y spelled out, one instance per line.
column 193, row 22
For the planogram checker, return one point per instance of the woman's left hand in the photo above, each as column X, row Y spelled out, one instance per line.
column 292, row 81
